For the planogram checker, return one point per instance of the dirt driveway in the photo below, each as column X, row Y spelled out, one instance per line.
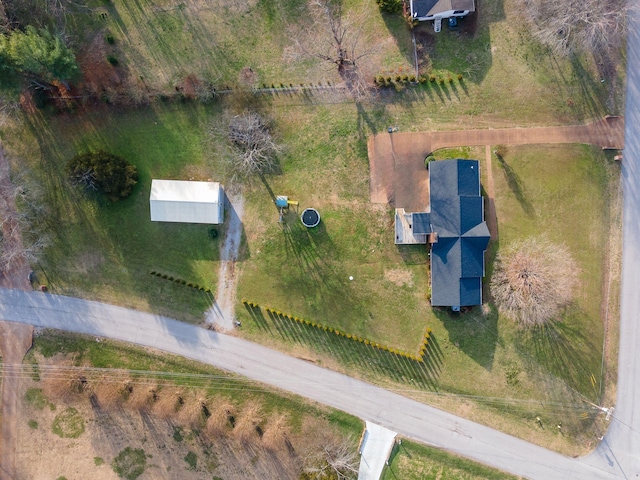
column 396, row 160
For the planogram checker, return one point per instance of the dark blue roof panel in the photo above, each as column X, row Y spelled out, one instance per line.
column 421, row 223
column 457, row 259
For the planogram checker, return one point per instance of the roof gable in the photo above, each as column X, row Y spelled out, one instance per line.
column 426, row 8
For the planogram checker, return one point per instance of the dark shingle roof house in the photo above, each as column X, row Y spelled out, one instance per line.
column 456, row 230
column 433, row 9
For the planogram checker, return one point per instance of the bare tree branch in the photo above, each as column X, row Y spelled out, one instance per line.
column 533, row 281
column 337, row 38
column 579, row 25
column 254, row 149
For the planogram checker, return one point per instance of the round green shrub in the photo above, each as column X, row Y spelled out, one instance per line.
column 104, row 172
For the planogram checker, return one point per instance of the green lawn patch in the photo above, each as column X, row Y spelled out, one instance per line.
column 192, row 460
column 68, row 424
column 35, row 398
column 412, row 461
column 106, row 250
column 130, row 463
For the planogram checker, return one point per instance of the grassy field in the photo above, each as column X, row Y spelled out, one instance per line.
column 106, row 250
column 479, row 362
column 412, row 461
column 72, row 419
column 550, row 191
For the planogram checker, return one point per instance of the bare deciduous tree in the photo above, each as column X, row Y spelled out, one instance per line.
column 254, row 148
column 579, row 25
column 21, row 213
column 335, row 459
column 337, row 38
column 533, row 281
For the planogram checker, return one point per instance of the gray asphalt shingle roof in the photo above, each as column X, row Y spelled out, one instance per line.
column 457, row 216
column 424, row 8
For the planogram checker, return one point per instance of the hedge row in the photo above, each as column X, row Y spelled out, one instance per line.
column 388, row 80
column 419, row 357
column 180, row 281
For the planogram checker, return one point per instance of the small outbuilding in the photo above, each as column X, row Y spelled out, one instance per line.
column 186, row 201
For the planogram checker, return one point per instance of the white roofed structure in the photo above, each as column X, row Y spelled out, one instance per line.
column 186, row 201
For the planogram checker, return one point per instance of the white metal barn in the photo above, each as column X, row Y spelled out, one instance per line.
column 186, row 202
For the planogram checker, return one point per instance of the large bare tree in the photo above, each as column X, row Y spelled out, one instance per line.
column 579, row 25
column 254, row 150
column 339, row 38
column 334, row 459
column 533, row 280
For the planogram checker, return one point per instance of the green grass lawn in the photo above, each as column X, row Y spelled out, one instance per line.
column 552, row 191
column 412, row 461
column 106, row 250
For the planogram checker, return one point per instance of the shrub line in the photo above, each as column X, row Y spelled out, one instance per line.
column 180, row 281
column 419, row 357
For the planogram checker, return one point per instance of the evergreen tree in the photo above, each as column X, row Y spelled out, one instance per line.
column 39, row 55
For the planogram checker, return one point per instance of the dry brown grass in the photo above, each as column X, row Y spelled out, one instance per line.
column 222, row 410
column 168, row 402
column 64, row 387
column 192, row 412
column 276, row 432
column 248, row 422
column 109, row 392
column 142, row 396
column 533, row 281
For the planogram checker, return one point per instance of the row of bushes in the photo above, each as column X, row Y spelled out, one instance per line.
column 300, row 85
column 388, row 81
column 180, row 281
column 418, row 357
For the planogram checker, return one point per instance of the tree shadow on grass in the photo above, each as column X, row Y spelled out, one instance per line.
column 120, row 242
column 566, row 351
column 368, row 360
column 319, row 277
column 515, row 184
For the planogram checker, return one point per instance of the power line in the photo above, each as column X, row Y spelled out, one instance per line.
column 229, row 383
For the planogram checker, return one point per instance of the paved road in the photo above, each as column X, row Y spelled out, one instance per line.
column 620, row 449
column 407, row 417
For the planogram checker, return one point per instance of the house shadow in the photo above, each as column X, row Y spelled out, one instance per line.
column 474, row 333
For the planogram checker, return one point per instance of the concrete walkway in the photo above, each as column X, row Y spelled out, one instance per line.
column 375, row 450
column 393, row 155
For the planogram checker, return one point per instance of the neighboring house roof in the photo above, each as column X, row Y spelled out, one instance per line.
column 457, row 216
column 185, row 201
column 426, row 8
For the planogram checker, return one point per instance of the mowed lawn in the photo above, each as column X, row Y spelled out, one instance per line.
column 306, row 272
column 105, row 250
column 562, row 194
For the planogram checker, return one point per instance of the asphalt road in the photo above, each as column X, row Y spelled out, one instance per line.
column 620, row 449
column 407, row 417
